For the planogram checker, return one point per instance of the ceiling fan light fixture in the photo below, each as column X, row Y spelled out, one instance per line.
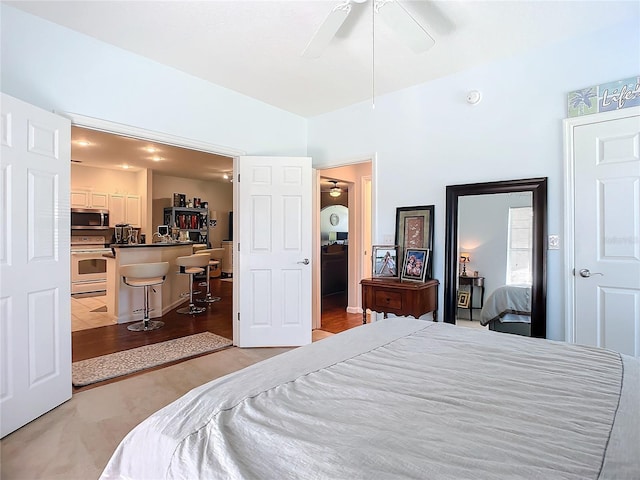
column 327, row 30
column 335, row 190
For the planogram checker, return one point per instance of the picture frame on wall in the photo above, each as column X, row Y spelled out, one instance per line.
column 414, row 230
column 385, row 261
column 414, row 267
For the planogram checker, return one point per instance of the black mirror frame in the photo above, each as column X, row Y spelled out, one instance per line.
column 538, row 187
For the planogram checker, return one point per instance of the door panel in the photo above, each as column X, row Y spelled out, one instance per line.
column 607, row 233
column 35, row 325
column 274, row 241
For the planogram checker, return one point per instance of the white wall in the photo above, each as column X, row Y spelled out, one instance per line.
column 58, row 69
column 427, row 137
column 483, row 232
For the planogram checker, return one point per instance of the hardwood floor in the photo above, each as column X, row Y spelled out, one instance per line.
column 99, row 341
column 115, row 338
column 335, row 318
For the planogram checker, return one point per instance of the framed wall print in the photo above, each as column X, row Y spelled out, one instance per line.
column 463, row 299
column 415, row 264
column 385, row 261
column 414, row 229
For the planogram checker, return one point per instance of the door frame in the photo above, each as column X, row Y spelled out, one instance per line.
column 569, row 125
column 316, row 282
column 167, row 139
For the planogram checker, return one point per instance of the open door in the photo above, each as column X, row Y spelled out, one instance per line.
column 274, row 251
column 35, row 299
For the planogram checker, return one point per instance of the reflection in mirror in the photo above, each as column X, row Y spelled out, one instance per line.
column 495, row 260
column 495, row 251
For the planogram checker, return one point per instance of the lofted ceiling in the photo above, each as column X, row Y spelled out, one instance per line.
column 254, row 47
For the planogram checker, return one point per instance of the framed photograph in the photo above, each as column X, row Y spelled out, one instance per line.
column 463, row 299
column 414, row 229
column 415, row 264
column 385, row 261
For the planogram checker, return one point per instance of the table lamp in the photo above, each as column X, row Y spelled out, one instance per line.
column 464, row 259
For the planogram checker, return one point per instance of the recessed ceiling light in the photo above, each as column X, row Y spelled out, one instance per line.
column 156, row 158
column 125, row 166
column 225, row 176
column 83, row 143
column 151, row 149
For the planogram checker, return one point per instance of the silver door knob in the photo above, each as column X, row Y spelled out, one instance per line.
column 304, row 262
column 586, row 273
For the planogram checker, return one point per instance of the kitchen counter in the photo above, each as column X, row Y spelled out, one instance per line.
column 122, row 299
column 144, row 245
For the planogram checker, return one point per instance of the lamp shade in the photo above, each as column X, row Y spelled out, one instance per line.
column 465, row 257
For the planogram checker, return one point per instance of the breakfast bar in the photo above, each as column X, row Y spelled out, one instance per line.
column 122, row 300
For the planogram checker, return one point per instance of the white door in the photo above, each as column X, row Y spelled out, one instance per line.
column 607, row 234
column 35, row 301
column 274, row 251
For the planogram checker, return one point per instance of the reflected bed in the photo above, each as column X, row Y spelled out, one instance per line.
column 402, row 398
column 508, row 309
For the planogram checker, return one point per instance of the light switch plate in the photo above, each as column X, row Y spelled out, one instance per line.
column 388, row 239
column 554, row 242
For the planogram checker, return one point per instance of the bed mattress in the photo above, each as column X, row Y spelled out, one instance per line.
column 402, row 398
column 509, row 303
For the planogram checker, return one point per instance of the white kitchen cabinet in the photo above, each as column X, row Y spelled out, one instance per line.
column 124, row 208
column 132, row 214
column 88, row 199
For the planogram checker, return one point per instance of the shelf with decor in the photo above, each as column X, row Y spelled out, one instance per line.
column 195, row 221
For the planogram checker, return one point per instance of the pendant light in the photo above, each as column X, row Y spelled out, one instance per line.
column 335, row 190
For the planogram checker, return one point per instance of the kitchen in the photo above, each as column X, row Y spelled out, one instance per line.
column 123, row 180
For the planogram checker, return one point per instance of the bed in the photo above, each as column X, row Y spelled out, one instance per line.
column 508, row 309
column 402, row 398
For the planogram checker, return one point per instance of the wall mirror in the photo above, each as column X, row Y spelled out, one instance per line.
column 495, row 255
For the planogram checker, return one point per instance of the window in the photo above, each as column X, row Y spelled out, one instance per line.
column 519, row 251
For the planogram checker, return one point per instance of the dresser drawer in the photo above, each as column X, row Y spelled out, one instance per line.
column 388, row 299
column 392, row 295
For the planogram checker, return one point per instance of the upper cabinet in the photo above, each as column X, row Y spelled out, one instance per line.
column 87, row 199
column 124, row 208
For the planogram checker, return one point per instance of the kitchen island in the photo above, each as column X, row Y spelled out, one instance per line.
column 122, row 299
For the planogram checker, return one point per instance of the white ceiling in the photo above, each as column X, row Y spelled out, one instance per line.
column 105, row 150
column 254, row 47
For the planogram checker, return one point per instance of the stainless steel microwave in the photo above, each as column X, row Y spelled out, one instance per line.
column 89, row 219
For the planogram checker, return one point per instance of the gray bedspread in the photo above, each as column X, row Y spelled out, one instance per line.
column 509, row 303
column 402, row 398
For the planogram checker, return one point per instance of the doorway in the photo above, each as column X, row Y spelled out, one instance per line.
column 603, row 230
column 344, row 249
column 113, row 337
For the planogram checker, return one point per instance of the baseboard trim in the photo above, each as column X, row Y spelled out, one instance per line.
column 354, row 310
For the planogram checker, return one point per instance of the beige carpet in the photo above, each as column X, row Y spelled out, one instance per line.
column 117, row 364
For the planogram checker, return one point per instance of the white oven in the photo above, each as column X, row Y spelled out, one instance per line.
column 88, row 265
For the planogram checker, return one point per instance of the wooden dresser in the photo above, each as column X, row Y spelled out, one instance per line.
column 391, row 295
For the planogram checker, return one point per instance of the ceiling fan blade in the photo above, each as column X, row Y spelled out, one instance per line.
column 404, row 25
column 327, row 30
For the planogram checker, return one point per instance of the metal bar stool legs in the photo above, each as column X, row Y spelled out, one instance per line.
column 208, row 298
column 192, row 265
column 145, row 275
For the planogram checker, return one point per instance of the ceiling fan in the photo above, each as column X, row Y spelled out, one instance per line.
column 393, row 14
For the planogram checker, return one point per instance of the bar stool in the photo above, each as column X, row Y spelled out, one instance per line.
column 192, row 265
column 208, row 298
column 146, row 275
column 216, row 256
